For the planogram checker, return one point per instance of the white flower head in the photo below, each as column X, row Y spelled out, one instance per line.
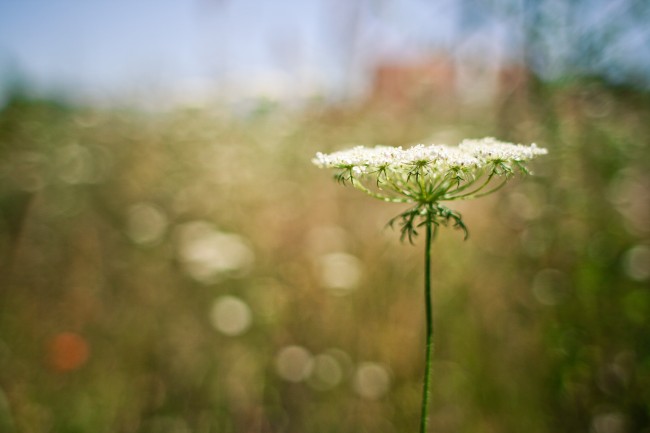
column 489, row 150
column 429, row 174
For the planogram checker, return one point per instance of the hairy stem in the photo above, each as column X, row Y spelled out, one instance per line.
column 424, row 418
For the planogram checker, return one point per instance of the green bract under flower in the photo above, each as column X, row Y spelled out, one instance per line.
column 428, row 175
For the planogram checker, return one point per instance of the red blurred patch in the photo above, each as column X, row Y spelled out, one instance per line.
column 67, row 351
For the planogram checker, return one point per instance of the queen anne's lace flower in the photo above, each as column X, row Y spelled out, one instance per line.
column 427, row 175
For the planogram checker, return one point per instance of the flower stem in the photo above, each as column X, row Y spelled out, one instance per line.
column 424, row 418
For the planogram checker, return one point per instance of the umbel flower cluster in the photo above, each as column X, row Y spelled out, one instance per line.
column 428, row 175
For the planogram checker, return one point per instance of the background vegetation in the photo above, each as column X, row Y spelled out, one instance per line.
column 191, row 271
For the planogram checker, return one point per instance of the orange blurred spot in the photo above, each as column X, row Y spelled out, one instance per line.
column 67, row 351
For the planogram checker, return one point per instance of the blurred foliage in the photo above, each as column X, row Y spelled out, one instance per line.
column 191, row 271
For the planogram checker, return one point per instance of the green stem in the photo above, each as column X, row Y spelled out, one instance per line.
column 483, row 194
column 358, row 185
column 451, row 195
column 424, row 418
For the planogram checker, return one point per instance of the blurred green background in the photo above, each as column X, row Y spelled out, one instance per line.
column 187, row 269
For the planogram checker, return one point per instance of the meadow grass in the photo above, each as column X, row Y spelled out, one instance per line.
column 190, row 270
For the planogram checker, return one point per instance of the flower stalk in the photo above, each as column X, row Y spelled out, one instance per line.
column 424, row 414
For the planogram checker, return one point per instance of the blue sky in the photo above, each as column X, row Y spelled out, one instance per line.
column 107, row 45
column 100, row 47
column 113, row 47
